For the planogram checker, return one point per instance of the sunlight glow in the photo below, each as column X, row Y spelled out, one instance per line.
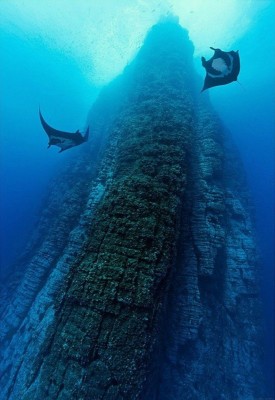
column 106, row 34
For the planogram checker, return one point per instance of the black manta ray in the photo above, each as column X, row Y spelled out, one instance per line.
column 221, row 69
column 64, row 140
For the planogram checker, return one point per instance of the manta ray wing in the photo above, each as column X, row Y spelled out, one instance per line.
column 64, row 140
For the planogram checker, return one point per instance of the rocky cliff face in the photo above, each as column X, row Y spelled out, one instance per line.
column 140, row 281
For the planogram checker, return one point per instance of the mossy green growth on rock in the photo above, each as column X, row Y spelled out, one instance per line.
column 106, row 324
column 159, row 296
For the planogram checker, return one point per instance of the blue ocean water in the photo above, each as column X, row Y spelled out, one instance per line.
column 33, row 76
column 36, row 71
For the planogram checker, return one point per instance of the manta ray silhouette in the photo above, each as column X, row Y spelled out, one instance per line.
column 221, row 69
column 64, row 140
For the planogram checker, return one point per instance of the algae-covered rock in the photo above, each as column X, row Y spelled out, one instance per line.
column 150, row 291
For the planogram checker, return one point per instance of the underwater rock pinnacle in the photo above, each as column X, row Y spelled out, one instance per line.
column 141, row 279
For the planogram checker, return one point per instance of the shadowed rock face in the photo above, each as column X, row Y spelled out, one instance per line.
column 143, row 284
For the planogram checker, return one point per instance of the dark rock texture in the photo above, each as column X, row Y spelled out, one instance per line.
column 140, row 281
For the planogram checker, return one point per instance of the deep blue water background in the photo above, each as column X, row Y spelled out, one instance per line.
column 32, row 75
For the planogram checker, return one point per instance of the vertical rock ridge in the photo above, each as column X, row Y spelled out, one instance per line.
column 27, row 299
column 208, row 348
column 145, row 285
column 118, row 287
